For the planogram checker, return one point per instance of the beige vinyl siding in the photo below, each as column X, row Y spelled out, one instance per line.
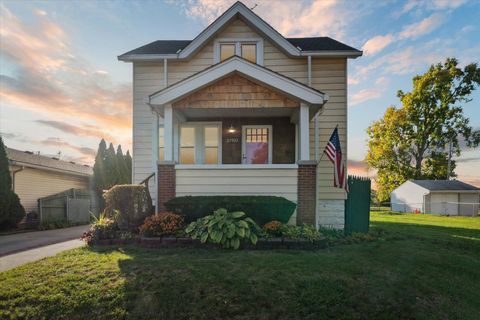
column 147, row 79
column 275, row 182
column 238, row 29
column 328, row 75
column 179, row 70
column 32, row 184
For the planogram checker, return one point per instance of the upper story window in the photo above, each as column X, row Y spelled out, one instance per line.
column 249, row 49
column 226, row 50
column 249, row 52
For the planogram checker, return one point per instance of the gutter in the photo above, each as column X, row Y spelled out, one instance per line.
column 34, row 166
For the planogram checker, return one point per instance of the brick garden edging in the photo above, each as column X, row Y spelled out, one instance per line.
column 262, row 244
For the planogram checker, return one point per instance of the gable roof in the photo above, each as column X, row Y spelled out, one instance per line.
column 296, row 47
column 32, row 160
column 250, row 70
column 171, row 47
column 445, row 185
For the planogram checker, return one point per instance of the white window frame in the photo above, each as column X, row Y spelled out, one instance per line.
column 238, row 47
column 270, row 141
column 199, row 127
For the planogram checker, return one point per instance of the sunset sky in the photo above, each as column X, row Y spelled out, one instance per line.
column 62, row 88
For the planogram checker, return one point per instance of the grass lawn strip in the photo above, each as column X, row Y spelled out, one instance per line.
column 425, row 267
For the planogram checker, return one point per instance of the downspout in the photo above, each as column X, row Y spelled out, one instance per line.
column 13, row 176
column 156, row 138
column 309, row 77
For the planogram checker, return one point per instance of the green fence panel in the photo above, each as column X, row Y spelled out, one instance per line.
column 55, row 207
column 357, row 205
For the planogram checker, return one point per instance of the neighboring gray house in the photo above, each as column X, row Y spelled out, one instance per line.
column 446, row 197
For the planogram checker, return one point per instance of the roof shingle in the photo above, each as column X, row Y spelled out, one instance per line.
column 19, row 157
column 444, row 185
column 305, row 44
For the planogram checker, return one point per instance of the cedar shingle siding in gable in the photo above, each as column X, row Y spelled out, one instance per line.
column 235, row 92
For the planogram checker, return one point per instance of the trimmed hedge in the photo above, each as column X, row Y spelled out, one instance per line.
column 261, row 209
column 128, row 205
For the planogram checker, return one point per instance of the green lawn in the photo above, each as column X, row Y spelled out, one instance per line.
column 424, row 267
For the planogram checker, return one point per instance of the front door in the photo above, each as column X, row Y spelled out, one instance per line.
column 257, row 144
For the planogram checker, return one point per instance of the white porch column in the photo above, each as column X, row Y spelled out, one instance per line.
column 155, row 138
column 304, row 130
column 168, row 132
column 155, row 155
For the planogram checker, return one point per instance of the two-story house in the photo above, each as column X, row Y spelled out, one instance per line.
column 241, row 110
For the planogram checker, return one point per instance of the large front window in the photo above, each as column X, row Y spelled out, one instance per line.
column 199, row 143
column 187, row 145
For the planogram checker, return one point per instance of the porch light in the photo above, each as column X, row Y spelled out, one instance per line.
column 231, row 129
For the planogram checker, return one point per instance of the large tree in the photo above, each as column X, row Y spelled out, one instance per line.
column 111, row 169
column 412, row 141
column 121, row 167
column 99, row 174
column 128, row 160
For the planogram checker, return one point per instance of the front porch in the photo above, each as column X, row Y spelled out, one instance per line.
column 244, row 131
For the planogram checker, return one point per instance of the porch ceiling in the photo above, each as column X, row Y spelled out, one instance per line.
column 194, row 113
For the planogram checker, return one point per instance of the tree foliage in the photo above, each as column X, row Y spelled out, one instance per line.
column 11, row 211
column 111, row 168
column 411, row 142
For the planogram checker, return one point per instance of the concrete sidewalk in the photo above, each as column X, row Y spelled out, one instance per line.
column 24, row 241
column 16, row 259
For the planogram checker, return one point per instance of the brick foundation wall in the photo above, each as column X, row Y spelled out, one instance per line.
column 306, row 192
column 166, row 184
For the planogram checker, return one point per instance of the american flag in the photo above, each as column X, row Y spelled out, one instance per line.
column 334, row 153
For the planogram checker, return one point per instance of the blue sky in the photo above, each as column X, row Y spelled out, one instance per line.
column 62, row 86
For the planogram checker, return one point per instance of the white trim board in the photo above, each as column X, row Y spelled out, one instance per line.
column 234, row 166
column 238, row 42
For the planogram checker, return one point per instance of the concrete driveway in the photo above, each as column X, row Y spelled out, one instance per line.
column 23, row 241
column 21, row 248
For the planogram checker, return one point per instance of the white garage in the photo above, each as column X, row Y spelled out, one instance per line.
column 445, row 197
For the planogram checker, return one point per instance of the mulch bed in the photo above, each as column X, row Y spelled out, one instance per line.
column 262, row 244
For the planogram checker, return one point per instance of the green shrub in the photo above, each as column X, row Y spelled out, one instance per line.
column 261, row 209
column 162, row 224
column 226, row 228
column 11, row 210
column 102, row 228
column 306, row 231
column 128, row 205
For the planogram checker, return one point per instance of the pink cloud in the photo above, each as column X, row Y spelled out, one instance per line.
column 291, row 18
column 377, row 44
column 51, row 79
column 423, row 27
column 365, row 95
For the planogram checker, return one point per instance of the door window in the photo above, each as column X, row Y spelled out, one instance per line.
column 257, row 144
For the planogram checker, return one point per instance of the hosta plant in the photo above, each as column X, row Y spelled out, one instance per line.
column 226, row 228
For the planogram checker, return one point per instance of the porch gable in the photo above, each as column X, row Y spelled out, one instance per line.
column 236, row 91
